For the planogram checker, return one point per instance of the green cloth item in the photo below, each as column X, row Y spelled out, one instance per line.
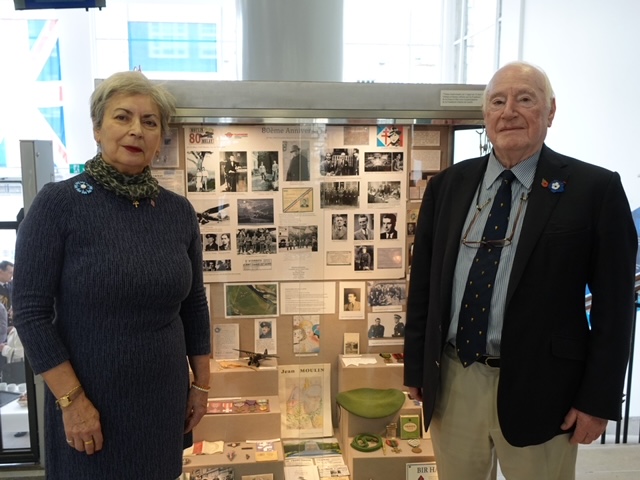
column 371, row 402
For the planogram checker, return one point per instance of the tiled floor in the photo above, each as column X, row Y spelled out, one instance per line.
column 607, row 462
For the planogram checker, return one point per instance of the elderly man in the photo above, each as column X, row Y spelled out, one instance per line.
column 505, row 246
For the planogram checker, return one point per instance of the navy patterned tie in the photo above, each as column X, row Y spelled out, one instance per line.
column 471, row 339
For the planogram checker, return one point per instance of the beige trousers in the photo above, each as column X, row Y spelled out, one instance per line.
column 467, row 439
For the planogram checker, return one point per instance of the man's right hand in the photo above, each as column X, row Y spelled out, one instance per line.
column 415, row 393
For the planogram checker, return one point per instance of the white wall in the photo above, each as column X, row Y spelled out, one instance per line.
column 589, row 49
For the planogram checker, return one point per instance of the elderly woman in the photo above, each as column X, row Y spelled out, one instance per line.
column 109, row 300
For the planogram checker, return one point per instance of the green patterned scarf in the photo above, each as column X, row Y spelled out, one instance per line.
column 132, row 187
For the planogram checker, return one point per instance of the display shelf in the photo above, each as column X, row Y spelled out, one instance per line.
column 243, row 381
column 383, row 465
column 350, row 425
column 374, row 375
column 237, row 427
column 244, row 462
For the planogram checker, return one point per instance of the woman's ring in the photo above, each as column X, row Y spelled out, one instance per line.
column 88, row 442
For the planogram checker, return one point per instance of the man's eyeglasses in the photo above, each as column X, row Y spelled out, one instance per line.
column 498, row 243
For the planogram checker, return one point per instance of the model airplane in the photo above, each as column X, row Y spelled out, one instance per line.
column 215, row 214
column 255, row 357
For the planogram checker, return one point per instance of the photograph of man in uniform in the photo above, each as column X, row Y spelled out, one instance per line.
column 398, row 328
column 364, row 258
column 376, row 330
column 265, row 330
column 210, row 243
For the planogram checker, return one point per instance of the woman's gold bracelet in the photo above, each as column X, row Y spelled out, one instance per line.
column 200, row 388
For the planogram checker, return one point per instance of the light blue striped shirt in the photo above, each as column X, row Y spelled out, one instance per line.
column 524, row 172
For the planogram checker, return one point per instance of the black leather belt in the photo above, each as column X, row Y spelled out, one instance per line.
column 489, row 361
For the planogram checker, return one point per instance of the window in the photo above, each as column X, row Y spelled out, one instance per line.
column 476, row 40
column 398, row 42
column 173, row 47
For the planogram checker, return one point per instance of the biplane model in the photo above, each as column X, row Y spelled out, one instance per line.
column 256, row 357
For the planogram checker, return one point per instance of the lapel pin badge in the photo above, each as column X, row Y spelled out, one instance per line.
column 554, row 186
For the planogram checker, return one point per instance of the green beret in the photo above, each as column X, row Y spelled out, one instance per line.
column 371, row 402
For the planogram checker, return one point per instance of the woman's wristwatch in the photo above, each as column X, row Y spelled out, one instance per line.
column 67, row 399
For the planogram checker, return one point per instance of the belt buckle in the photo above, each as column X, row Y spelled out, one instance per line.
column 490, row 361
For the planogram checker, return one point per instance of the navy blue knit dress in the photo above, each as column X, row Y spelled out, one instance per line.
column 118, row 291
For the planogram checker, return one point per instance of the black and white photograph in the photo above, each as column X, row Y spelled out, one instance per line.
column 386, row 296
column 352, row 300
column 256, row 241
column 200, row 171
column 233, row 171
column 340, row 162
column 411, row 229
column 255, row 211
column 339, row 194
column 386, row 328
column 363, row 258
column 296, row 160
column 223, row 265
column 264, row 171
column 388, row 229
column 216, row 265
column 209, row 243
column 211, row 212
column 383, row 161
column 299, row 238
column 216, row 242
column 339, row 226
column 363, row 226
column 265, row 332
column 384, row 193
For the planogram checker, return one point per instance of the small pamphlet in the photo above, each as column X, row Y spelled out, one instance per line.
column 351, row 343
column 266, row 452
column 333, row 471
column 422, row 471
column 212, row 473
column 410, row 427
column 298, row 472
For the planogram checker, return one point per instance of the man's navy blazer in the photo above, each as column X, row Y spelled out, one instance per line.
column 551, row 360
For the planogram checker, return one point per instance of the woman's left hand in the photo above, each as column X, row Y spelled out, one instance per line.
column 196, row 408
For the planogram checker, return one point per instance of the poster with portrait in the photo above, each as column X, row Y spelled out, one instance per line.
column 265, row 331
column 305, row 397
